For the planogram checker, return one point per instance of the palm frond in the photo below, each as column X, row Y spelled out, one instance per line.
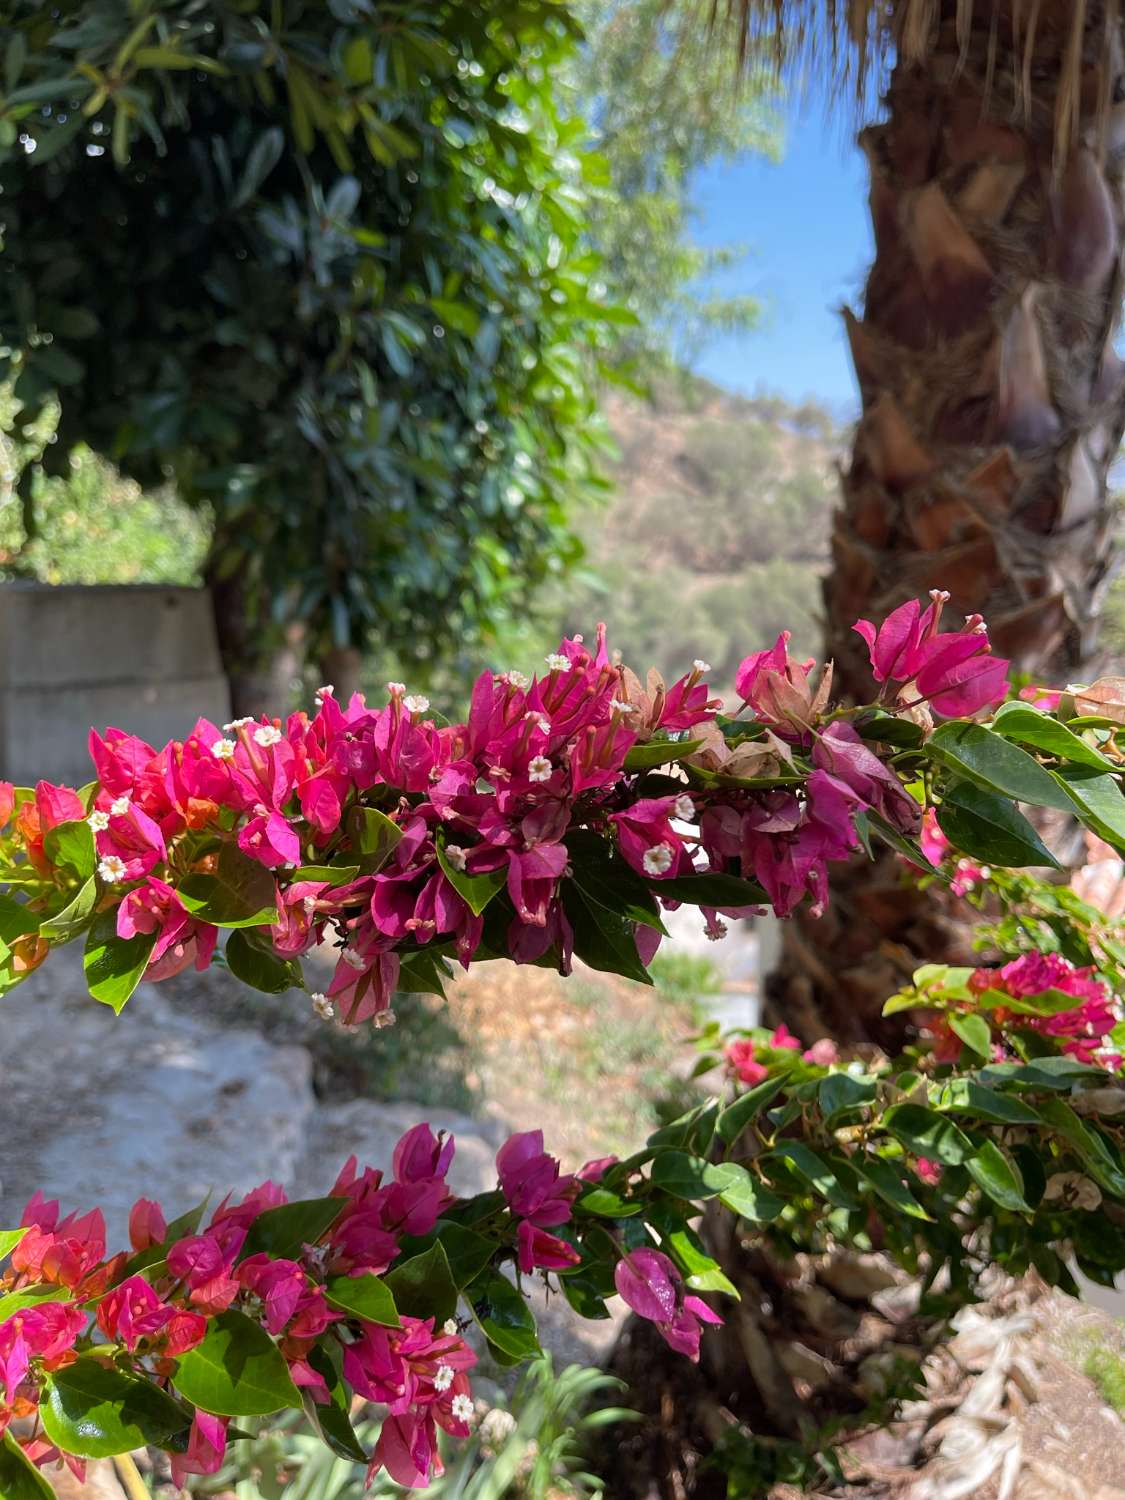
column 1034, row 54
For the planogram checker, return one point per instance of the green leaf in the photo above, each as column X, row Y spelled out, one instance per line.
column 1031, row 726
column 910, row 849
column 841, row 1091
column 261, row 159
column 240, row 893
column 712, row 889
column 332, row 1421
column 366, row 1297
column 659, row 753
column 284, row 1231
column 263, row 971
column 974, row 1031
column 994, row 763
column 466, row 1251
column 987, row 827
column 606, row 1204
column 504, row 1316
column 74, row 917
column 9, row 1239
column 237, row 1371
column 475, row 890
column 32, row 1296
column 965, row 1094
column 751, row 1199
column 886, row 1180
column 608, row 882
column 1089, row 1145
column 693, row 1177
column 815, row 1170
column 95, row 1411
column 373, row 837
column 19, row 1478
column 70, row 846
column 1055, row 1073
column 114, row 966
column 423, row 1286
column 16, row 920
column 326, row 874
column 602, row 939
column 928, row 1134
column 747, row 1107
column 423, row 971
column 998, row 1176
column 1098, row 801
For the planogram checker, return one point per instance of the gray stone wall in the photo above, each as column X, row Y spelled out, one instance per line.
column 141, row 657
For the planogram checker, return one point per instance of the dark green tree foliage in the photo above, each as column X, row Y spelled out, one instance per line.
column 322, row 264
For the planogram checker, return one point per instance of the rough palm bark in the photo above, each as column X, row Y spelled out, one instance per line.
column 992, row 400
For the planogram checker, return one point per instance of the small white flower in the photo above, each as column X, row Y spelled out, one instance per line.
column 223, row 749
column 322, row 1005
column 416, row 704
column 383, row 1018
column 539, row 768
column 236, row 724
column 700, row 666
column 517, row 679
column 353, row 960
column 619, row 706
column 324, row 692
column 544, row 724
column 111, row 869
column 557, row 662
column 309, row 905
column 98, row 820
column 684, row 807
column 396, row 689
column 120, row 806
column 266, row 735
column 658, row 859
column 450, row 1327
column 443, row 1377
column 462, row 1408
column 455, row 856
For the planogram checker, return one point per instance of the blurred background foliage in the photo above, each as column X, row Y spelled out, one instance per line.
column 365, row 288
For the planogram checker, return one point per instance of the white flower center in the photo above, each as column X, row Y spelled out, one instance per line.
column 658, row 859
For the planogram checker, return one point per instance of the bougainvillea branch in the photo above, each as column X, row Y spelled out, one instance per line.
column 562, row 819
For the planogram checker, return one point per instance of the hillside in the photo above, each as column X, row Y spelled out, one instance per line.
column 717, row 528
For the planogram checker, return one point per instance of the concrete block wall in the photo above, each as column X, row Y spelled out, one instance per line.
column 142, row 657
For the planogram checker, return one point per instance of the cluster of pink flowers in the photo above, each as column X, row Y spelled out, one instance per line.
column 1080, row 1032
column 419, row 1373
column 494, row 797
column 953, row 671
column 751, row 1062
column 652, row 1286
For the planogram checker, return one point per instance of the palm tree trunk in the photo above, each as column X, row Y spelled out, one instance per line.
column 993, row 406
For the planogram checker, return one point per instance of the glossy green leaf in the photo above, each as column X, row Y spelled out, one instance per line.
column 1031, row 726
column 65, row 926
column 9, row 1239
column 604, row 1203
column 31, row 1296
column 974, row 1031
column 332, row 1420
column 114, row 966
column 374, row 837
column 504, row 1317
column 1098, row 802
column 19, row 1478
column 747, row 1107
column 423, row 1286
column 16, row 920
column 986, row 827
column 602, row 939
column 693, row 1177
column 237, row 1371
column 928, row 1134
column 1090, row 1146
column 817, row 1172
column 284, row 1231
column 326, row 874
column 714, row 889
column 475, row 890
column 659, row 753
column 263, row 971
column 95, row 1411
column 842, row 1091
column 886, row 1180
column 70, row 846
column 608, row 882
column 965, row 1094
column 366, row 1297
column 240, row 893
column 996, row 1174
column 996, row 764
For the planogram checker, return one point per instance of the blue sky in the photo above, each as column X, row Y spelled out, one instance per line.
column 806, row 225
